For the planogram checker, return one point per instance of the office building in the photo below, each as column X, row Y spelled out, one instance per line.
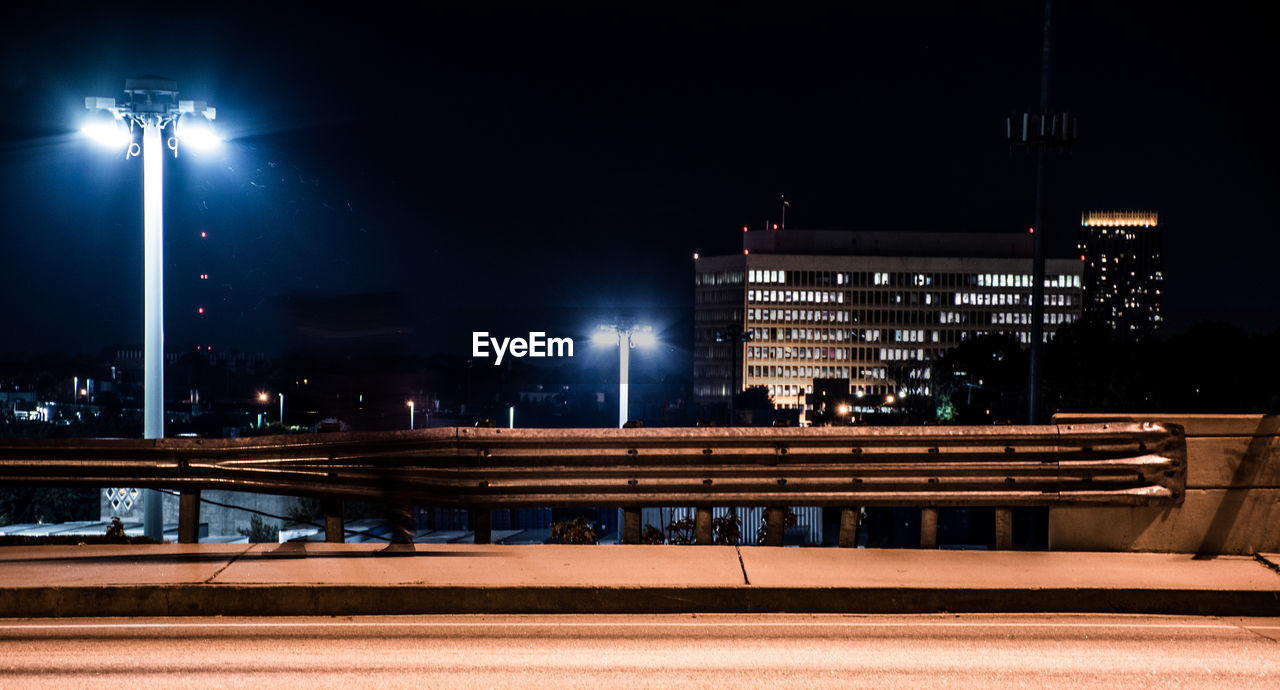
column 874, row 308
column 1123, row 270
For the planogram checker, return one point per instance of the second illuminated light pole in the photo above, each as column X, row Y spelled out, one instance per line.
column 624, row 338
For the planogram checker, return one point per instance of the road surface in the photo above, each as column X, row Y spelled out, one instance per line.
column 643, row 651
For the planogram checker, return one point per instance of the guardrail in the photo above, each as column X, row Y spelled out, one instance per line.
column 1129, row 463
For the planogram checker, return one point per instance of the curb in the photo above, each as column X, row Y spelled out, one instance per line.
column 338, row 600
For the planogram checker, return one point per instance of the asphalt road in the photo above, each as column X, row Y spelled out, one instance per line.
column 643, row 651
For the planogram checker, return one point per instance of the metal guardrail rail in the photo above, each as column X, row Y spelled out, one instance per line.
column 932, row 466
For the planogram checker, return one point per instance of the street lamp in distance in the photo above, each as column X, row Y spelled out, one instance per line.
column 624, row 338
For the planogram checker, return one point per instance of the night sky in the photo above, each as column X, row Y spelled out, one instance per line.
column 541, row 161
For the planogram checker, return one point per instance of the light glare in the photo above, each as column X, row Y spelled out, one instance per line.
column 643, row 337
column 604, row 336
column 197, row 132
column 110, row 132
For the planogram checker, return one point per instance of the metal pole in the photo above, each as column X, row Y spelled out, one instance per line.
column 624, row 366
column 281, row 410
column 153, row 310
column 1037, row 273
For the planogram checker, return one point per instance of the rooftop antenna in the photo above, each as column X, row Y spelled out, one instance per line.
column 785, row 205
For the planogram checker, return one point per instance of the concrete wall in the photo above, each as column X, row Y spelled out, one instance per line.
column 1232, row 504
column 221, row 521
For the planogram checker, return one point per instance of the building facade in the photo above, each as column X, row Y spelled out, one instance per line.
column 1123, row 270
column 873, row 308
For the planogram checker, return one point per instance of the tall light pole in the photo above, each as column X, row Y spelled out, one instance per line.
column 624, row 338
column 281, row 411
column 1040, row 131
column 152, row 105
column 410, row 404
column 736, row 337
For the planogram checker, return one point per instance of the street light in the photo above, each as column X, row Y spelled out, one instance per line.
column 262, row 398
column 152, row 105
column 736, row 337
column 281, row 410
column 410, row 404
column 624, row 338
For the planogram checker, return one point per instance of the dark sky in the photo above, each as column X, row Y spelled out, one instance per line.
column 549, row 159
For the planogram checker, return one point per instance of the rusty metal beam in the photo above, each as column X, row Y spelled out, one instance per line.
column 1116, row 463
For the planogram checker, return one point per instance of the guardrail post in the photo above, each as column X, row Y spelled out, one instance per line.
column 928, row 528
column 848, row 528
column 702, row 526
column 630, row 525
column 189, row 517
column 334, row 531
column 482, row 525
column 1004, row 529
column 774, row 521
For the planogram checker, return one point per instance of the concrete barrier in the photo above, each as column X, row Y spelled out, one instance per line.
column 1232, row 503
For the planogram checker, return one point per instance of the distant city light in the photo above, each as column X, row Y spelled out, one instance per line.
column 695, row 256
column 200, row 310
column 744, row 228
column 843, row 409
column 775, row 226
column 745, row 252
column 203, row 234
column 1031, row 231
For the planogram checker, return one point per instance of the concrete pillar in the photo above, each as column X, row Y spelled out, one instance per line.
column 774, row 520
column 482, row 525
column 702, row 526
column 630, row 525
column 1004, row 529
column 928, row 528
column 848, row 528
column 189, row 517
column 334, row 532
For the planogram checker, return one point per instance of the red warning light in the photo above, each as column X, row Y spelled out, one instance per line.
column 1082, row 257
column 745, row 252
column 200, row 310
column 744, row 228
column 204, row 276
column 203, row 234
column 1031, row 231
column 775, row 226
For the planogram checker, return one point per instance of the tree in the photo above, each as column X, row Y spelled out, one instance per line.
column 980, row 380
column 755, row 402
column 260, row 532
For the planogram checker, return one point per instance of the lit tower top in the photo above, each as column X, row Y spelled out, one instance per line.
column 1119, row 219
